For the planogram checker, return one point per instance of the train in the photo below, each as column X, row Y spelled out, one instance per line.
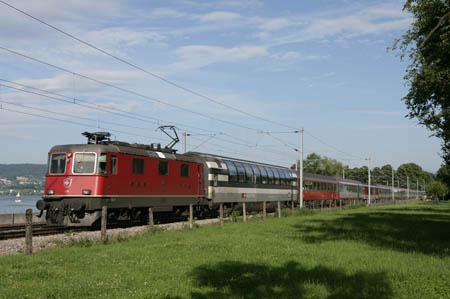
column 130, row 178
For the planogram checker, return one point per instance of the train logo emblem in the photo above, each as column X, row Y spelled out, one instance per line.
column 67, row 183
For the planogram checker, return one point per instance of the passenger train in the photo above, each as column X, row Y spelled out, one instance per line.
column 130, row 178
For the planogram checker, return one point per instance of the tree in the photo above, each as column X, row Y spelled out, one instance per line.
column 437, row 189
column 443, row 175
column 427, row 45
column 314, row 163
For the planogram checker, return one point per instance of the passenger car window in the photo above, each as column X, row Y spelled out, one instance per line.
column 257, row 173
column 249, row 173
column 264, row 179
column 240, row 171
column 232, row 172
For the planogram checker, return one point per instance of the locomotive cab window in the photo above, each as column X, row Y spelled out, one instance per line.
column 102, row 167
column 138, row 166
column 184, row 170
column 84, row 163
column 163, row 168
column 57, row 163
column 113, row 165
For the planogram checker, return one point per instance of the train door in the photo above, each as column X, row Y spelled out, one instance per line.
column 199, row 180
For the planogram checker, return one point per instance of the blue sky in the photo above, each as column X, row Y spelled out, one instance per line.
column 321, row 65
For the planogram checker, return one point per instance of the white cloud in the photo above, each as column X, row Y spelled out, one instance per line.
column 274, row 24
column 167, row 12
column 219, row 16
column 197, row 56
column 75, row 84
column 371, row 20
column 294, row 55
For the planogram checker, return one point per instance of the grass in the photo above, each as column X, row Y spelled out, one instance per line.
column 378, row 252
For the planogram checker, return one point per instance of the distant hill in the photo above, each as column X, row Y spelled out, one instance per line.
column 11, row 171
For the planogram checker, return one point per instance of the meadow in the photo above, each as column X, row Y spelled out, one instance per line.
column 392, row 251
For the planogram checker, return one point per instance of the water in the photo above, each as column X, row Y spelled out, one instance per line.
column 9, row 206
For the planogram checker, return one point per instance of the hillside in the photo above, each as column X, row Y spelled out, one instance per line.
column 11, row 171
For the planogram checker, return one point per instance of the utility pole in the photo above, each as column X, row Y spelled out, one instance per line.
column 417, row 193
column 301, row 168
column 368, row 202
column 393, row 198
column 407, row 187
column 343, row 173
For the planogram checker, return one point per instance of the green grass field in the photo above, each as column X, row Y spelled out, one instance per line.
column 400, row 251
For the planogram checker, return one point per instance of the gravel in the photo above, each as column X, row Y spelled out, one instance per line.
column 16, row 246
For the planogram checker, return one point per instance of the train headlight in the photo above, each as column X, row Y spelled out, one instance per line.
column 50, row 192
column 86, row 192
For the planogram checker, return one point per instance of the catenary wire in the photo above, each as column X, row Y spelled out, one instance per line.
column 179, row 86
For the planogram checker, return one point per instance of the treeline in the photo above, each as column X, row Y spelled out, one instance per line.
column 411, row 172
column 11, row 171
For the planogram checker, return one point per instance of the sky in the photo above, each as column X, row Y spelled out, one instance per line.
column 239, row 76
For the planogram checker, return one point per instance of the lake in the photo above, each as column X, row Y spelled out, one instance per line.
column 9, row 206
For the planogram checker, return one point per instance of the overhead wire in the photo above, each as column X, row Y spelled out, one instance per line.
column 71, row 122
column 162, row 79
column 179, row 86
column 140, row 95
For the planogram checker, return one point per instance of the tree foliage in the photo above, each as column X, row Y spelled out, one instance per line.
column 317, row 164
column 427, row 45
column 437, row 189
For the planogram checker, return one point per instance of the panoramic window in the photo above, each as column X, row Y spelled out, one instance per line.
column 240, row 171
column 84, row 163
column 57, row 164
column 138, row 166
column 163, row 168
column 232, row 172
column 102, row 167
column 257, row 174
column 271, row 176
column 184, row 170
column 277, row 176
column 113, row 165
column 249, row 173
column 264, row 179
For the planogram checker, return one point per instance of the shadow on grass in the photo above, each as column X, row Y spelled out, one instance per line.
column 231, row 279
column 389, row 228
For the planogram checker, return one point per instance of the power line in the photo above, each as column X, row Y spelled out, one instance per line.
column 73, row 122
column 147, row 98
column 142, row 69
column 74, row 102
column 330, row 146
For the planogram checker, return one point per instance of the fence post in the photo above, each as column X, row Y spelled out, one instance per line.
column 151, row 221
column 221, row 213
column 29, row 232
column 279, row 209
column 104, row 216
column 264, row 210
column 191, row 216
column 244, row 212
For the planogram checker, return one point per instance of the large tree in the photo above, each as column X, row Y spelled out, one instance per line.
column 427, row 45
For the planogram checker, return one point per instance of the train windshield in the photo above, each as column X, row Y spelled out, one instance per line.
column 57, row 163
column 84, row 163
